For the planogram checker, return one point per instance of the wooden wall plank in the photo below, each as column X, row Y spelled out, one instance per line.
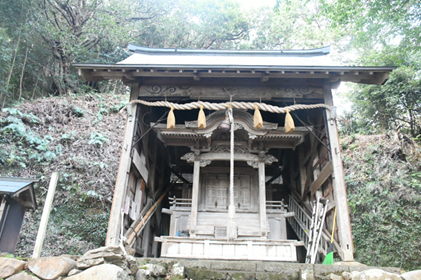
column 139, row 162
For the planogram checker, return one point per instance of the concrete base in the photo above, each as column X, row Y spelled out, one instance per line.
column 239, row 249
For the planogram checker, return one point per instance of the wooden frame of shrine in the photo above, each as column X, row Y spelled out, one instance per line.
column 177, row 193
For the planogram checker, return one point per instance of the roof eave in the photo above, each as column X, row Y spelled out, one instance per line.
column 356, row 74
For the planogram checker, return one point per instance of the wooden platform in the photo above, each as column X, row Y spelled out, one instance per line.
column 257, row 249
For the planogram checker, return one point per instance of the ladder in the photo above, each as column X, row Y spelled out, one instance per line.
column 316, row 228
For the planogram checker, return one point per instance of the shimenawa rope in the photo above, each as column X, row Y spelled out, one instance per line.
column 235, row 105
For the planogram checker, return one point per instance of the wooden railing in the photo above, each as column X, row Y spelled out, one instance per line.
column 179, row 202
column 300, row 222
column 272, row 204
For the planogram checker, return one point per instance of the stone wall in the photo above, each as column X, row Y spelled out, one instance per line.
column 114, row 263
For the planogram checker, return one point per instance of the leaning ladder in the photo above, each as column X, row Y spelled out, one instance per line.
column 317, row 221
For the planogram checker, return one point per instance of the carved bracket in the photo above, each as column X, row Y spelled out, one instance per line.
column 253, row 163
column 268, row 159
column 189, row 157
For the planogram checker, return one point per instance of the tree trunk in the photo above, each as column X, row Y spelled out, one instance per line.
column 10, row 75
column 35, row 87
column 115, row 86
column 21, row 75
column 62, row 81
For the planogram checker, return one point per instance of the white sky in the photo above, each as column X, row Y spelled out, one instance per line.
column 249, row 4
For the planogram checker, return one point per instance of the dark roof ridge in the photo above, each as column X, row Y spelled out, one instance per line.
column 310, row 52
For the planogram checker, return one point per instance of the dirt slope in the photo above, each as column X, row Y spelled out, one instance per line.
column 80, row 137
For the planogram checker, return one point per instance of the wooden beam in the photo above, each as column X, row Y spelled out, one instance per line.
column 142, row 220
column 314, row 144
column 178, row 175
column 338, row 184
column 195, row 196
column 114, row 224
column 301, row 169
column 2, row 206
column 274, row 177
column 262, row 199
column 324, row 174
column 210, row 91
column 45, row 215
column 226, row 156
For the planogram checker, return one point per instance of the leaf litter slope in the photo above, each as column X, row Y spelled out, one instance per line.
column 79, row 137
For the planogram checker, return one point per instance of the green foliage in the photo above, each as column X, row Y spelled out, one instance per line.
column 98, row 139
column 371, row 26
column 76, row 221
column 293, row 25
column 117, row 108
column 197, row 24
column 78, row 112
column 384, row 195
column 396, row 104
column 31, row 147
column 69, row 137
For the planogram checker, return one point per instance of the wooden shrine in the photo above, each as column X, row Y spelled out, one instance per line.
column 222, row 187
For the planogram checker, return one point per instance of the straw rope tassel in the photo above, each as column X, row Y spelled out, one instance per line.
column 289, row 122
column 258, row 120
column 201, row 120
column 171, row 119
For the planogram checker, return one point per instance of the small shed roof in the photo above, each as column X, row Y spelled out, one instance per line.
column 20, row 189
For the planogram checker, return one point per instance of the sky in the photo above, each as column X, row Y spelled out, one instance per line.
column 249, row 4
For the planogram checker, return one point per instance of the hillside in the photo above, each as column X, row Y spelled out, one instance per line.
column 383, row 179
column 80, row 136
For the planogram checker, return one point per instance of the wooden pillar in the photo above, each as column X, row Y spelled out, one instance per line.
column 302, row 170
column 338, row 184
column 195, row 196
column 262, row 199
column 115, row 222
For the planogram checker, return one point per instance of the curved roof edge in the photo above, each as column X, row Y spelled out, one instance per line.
column 311, row 52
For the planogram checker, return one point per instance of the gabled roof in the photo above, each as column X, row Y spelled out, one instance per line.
column 227, row 58
column 311, row 52
column 263, row 65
